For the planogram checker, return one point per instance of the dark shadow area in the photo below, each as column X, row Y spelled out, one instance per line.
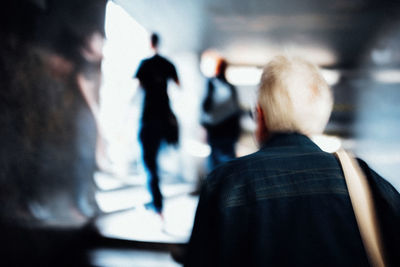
column 49, row 76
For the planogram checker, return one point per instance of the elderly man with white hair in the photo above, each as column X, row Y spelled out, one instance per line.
column 288, row 203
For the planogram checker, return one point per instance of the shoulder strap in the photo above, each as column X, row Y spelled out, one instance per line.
column 363, row 206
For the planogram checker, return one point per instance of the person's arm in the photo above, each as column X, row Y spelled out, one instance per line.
column 176, row 80
column 174, row 75
column 140, row 73
column 138, row 85
column 208, row 100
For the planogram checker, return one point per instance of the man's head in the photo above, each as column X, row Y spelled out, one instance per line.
column 293, row 97
column 155, row 40
column 221, row 66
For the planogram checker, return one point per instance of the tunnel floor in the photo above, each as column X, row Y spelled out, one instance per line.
column 140, row 224
column 135, row 235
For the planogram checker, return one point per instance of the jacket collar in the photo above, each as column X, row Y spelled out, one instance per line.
column 288, row 139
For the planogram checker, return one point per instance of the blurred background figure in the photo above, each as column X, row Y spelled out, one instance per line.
column 50, row 73
column 221, row 115
column 158, row 122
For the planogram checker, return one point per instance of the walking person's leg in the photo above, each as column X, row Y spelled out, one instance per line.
column 151, row 146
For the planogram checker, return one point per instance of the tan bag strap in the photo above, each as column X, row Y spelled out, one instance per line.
column 363, row 206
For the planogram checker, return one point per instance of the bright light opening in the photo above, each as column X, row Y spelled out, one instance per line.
column 243, row 75
column 208, row 63
column 196, row 148
column 332, row 77
column 387, row 76
column 127, row 42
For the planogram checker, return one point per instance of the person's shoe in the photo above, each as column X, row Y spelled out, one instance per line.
column 159, row 213
column 150, row 206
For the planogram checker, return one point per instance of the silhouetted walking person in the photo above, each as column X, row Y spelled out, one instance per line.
column 158, row 122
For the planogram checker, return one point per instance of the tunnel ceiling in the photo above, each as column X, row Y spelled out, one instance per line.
column 338, row 34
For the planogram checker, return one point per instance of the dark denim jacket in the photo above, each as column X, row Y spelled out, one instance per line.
column 286, row 205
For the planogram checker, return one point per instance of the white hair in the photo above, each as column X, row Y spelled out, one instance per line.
column 294, row 96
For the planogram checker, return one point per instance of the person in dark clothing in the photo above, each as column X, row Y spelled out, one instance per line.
column 221, row 116
column 158, row 122
column 288, row 203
